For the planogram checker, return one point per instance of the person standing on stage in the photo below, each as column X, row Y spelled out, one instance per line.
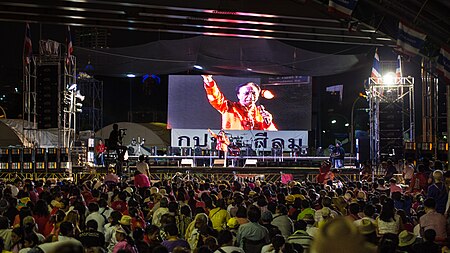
column 115, row 142
column 338, row 156
column 222, row 142
column 100, row 153
column 241, row 115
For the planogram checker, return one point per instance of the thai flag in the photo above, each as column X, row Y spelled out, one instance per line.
column 27, row 45
column 69, row 46
column 376, row 66
column 343, row 7
column 409, row 41
column 398, row 70
column 443, row 64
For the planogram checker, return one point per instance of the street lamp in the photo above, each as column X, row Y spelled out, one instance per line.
column 352, row 134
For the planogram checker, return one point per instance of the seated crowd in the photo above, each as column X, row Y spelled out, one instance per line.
column 130, row 215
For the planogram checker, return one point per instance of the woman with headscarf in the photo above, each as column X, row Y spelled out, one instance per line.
column 197, row 230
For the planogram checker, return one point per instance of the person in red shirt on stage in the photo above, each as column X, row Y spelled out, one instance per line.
column 100, row 153
column 241, row 115
column 222, row 142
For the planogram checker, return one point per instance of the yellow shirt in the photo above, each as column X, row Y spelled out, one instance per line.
column 219, row 218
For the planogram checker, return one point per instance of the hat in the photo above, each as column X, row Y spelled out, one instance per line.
column 125, row 220
column 233, row 223
column 28, row 220
column 200, row 204
column 290, row 199
column 406, row 238
column 120, row 229
column 4, row 205
column 267, row 216
column 163, row 191
column 154, row 190
column 325, row 212
column 347, row 196
column 251, row 193
column 57, row 204
column 25, row 200
column 361, row 195
column 366, row 227
column 129, row 190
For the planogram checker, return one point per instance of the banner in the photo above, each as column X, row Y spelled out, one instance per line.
column 409, row 41
column 343, row 7
column 257, row 140
column 443, row 64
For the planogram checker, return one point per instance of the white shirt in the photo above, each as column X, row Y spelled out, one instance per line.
column 143, row 168
column 99, row 219
column 230, row 249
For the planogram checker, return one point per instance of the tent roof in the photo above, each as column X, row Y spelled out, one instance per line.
column 155, row 134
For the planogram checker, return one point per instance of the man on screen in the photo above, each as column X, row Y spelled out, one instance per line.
column 241, row 115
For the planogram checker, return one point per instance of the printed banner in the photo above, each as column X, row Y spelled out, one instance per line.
column 257, row 140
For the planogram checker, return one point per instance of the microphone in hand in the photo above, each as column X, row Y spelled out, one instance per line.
column 267, row 117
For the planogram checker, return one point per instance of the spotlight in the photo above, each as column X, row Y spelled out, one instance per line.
column 267, row 94
column 333, row 121
column 198, row 67
column 347, row 124
column 131, row 75
column 79, row 96
column 389, row 78
column 72, row 87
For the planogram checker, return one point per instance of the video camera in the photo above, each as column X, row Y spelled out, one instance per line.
column 123, row 131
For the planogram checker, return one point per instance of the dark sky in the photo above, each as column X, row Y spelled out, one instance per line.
column 148, row 97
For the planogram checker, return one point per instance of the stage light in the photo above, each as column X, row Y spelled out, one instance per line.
column 267, row 94
column 249, row 69
column 79, row 96
column 198, row 67
column 389, row 78
column 131, row 75
column 333, row 121
column 347, row 124
column 72, row 87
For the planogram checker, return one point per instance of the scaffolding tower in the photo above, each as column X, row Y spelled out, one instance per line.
column 45, row 82
column 91, row 118
column 392, row 120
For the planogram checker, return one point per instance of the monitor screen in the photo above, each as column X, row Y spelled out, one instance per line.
column 286, row 99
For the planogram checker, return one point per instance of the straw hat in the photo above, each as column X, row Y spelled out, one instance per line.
column 290, row 199
column 125, row 220
column 233, row 223
column 366, row 227
column 406, row 238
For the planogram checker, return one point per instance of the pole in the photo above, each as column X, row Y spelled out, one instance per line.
column 352, row 130
column 448, row 123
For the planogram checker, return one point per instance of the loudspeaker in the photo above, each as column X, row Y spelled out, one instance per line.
column 47, row 96
column 363, row 149
column 219, row 162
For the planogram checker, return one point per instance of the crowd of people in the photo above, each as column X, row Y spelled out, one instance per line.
column 134, row 215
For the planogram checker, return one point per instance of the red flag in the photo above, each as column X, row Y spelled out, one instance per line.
column 27, row 45
column 69, row 46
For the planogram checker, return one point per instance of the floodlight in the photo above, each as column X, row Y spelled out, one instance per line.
column 389, row 78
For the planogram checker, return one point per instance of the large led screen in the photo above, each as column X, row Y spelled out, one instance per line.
column 286, row 99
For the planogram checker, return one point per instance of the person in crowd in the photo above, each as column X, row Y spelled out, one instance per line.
column 388, row 222
column 406, row 241
column 142, row 166
column 300, row 236
column 389, row 169
column 173, row 240
column 242, row 115
column 438, row 191
column 408, row 171
column 94, row 214
column 252, row 236
column 124, row 242
column 91, row 237
column 428, row 245
column 325, row 173
column 225, row 241
column 433, row 220
column 282, row 221
column 141, row 244
column 276, row 245
column 219, row 215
